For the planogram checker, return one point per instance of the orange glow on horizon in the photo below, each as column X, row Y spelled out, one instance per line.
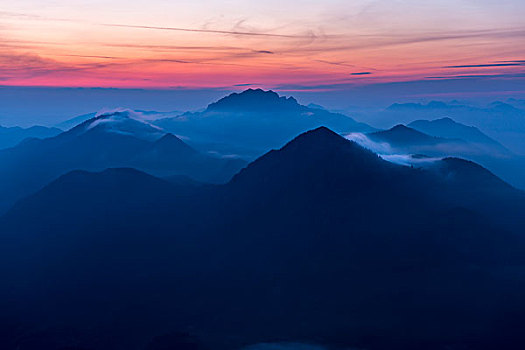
column 151, row 47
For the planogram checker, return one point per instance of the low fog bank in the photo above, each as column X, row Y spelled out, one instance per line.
column 387, row 152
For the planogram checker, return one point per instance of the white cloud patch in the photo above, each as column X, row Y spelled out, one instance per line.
column 387, row 152
column 127, row 122
column 365, row 142
column 118, row 114
column 408, row 159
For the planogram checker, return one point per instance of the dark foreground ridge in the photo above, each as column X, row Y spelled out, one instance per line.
column 319, row 242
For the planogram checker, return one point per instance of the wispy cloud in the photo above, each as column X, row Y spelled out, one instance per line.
column 256, row 33
column 213, row 31
column 383, row 40
column 343, row 64
column 512, row 61
column 89, row 56
column 16, row 66
column 314, row 53
column 387, row 152
column 509, row 64
column 314, row 87
column 479, row 76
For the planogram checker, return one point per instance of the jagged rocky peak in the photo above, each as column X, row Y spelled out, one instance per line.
column 255, row 100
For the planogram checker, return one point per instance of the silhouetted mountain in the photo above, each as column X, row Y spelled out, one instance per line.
column 118, row 139
column 403, row 136
column 144, row 115
column 255, row 101
column 82, row 195
column 320, row 241
column 171, row 156
column 476, row 146
column 462, row 172
column 501, row 121
column 10, row 137
column 121, row 122
column 354, row 164
column 448, row 128
column 169, row 143
column 251, row 122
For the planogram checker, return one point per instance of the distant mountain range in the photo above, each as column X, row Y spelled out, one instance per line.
column 402, row 136
column 147, row 230
column 500, row 120
column 119, row 139
column 145, row 115
column 448, row 128
column 439, row 139
column 447, row 138
column 320, row 241
column 239, row 125
column 10, row 137
column 254, row 121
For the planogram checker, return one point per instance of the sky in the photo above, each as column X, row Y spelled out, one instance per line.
column 301, row 45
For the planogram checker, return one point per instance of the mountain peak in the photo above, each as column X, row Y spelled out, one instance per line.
column 124, row 122
column 449, row 128
column 466, row 173
column 253, row 100
column 312, row 152
column 402, row 135
column 321, row 137
column 169, row 137
column 401, row 128
column 445, row 120
column 172, row 144
column 321, row 131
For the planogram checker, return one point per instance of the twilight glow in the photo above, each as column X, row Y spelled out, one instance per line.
column 291, row 45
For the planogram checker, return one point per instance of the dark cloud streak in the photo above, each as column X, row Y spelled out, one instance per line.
column 478, row 76
column 212, row 31
column 343, row 64
column 510, row 64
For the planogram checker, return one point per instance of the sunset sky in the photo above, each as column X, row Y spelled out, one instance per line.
column 284, row 44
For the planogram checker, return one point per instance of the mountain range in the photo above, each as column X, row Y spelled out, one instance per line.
column 11, row 136
column 243, row 124
column 447, row 138
column 448, row 128
column 440, row 141
column 500, row 120
column 145, row 115
column 318, row 242
column 146, row 230
column 115, row 139
column 253, row 121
